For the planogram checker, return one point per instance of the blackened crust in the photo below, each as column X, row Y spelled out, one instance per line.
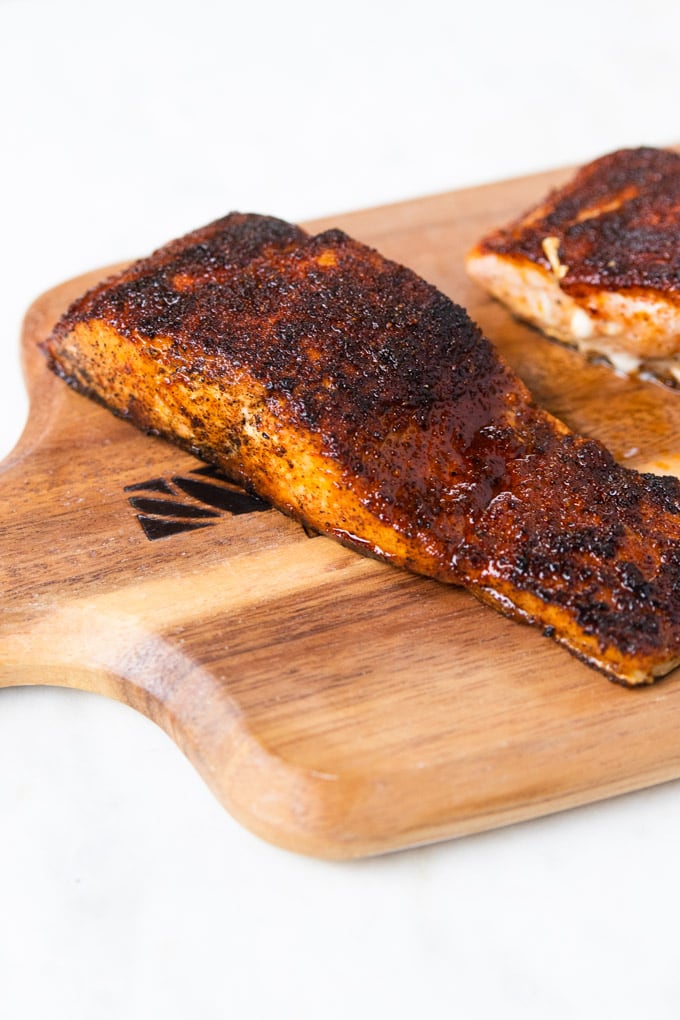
column 632, row 244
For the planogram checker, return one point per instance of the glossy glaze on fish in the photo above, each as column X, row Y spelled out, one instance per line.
column 597, row 263
column 354, row 396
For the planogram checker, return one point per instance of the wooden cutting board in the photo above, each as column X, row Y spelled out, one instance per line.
column 336, row 706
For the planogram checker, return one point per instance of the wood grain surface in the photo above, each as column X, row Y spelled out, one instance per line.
column 336, row 706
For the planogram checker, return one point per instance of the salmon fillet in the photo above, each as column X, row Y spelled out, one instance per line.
column 597, row 263
column 357, row 398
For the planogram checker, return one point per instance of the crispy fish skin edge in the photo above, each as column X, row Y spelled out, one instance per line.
column 292, row 468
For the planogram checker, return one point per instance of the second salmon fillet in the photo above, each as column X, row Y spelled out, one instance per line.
column 596, row 264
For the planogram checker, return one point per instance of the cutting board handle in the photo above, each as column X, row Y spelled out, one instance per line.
column 43, row 478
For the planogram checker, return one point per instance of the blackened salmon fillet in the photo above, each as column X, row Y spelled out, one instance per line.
column 596, row 264
column 357, row 398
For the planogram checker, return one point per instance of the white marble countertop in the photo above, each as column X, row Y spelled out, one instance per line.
column 125, row 890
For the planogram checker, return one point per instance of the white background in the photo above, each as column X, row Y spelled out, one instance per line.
column 125, row 890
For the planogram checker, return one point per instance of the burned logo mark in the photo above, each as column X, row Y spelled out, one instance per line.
column 187, row 502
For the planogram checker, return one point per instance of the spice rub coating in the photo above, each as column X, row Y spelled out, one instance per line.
column 356, row 397
column 597, row 263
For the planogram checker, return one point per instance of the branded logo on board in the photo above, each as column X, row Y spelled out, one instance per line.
column 168, row 507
